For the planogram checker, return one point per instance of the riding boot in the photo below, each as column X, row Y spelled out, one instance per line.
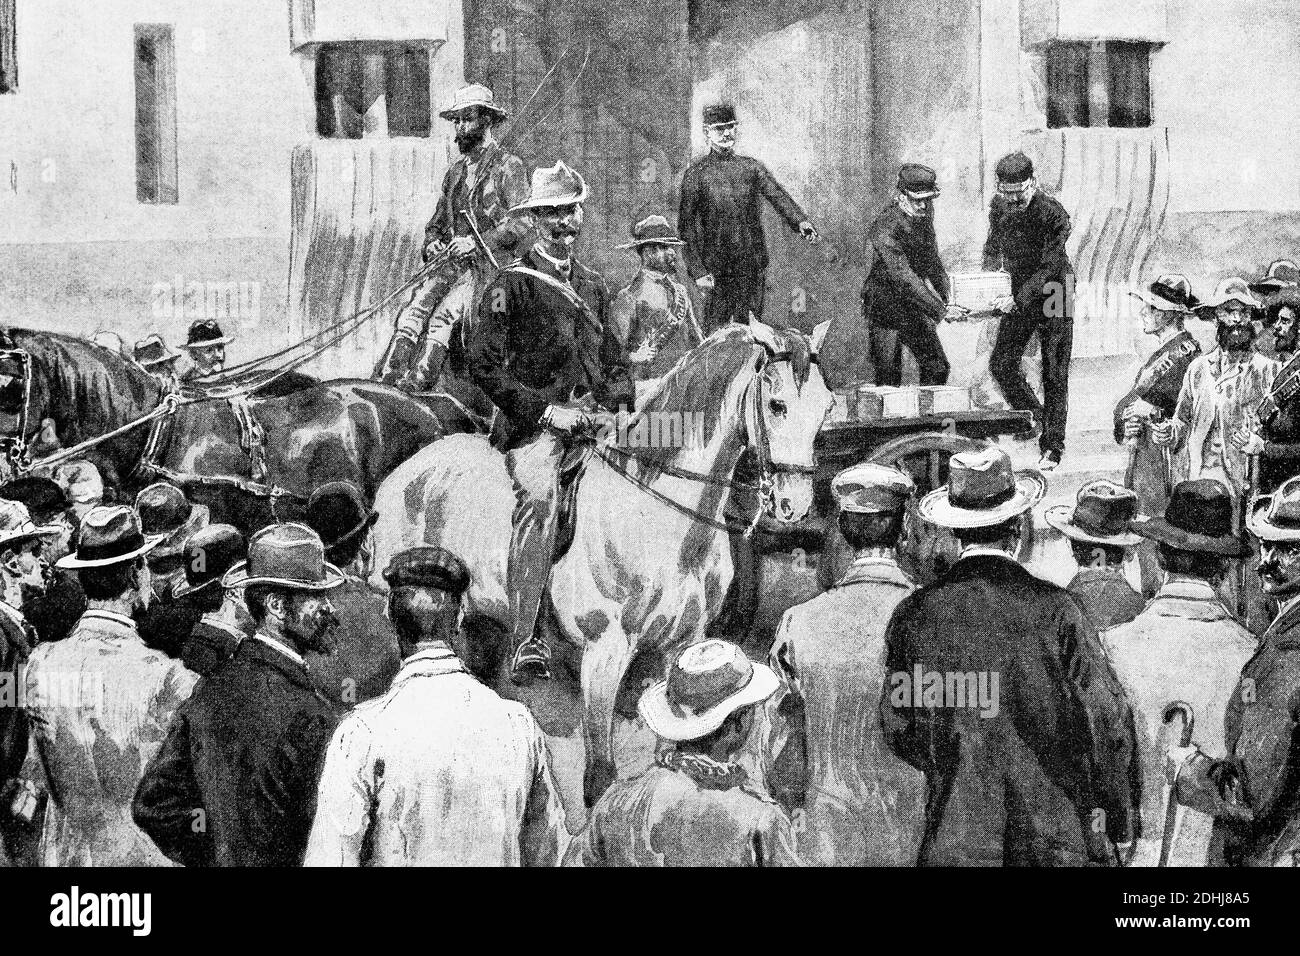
column 528, row 566
column 425, row 375
column 399, row 361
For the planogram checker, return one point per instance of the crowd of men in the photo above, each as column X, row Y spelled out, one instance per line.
column 186, row 694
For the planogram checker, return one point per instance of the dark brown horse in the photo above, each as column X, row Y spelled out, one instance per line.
column 349, row 430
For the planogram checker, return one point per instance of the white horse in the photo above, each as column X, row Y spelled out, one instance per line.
column 649, row 564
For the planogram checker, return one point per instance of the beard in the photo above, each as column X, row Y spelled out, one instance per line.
column 1236, row 338
column 470, row 140
column 32, row 591
column 1276, row 581
column 1285, row 342
column 314, row 631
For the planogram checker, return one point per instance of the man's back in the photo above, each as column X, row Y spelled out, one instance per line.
column 1106, row 596
column 684, row 817
column 1184, row 646
column 100, row 703
column 454, row 776
column 865, row 806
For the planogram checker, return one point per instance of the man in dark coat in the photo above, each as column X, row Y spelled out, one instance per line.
column 478, row 192
column 1097, row 527
column 164, row 510
column 1277, row 439
column 1252, row 791
column 545, row 351
column 721, row 220
column 998, row 691
column 1027, row 234
column 234, row 783
column 209, row 554
column 905, row 295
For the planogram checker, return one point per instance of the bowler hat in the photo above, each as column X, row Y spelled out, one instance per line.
column 1276, row 517
column 1101, row 515
column 153, row 351
column 286, row 555
column 109, row 534
column 919, row 182
column 871, row 489
column 427, row 568
column 165, row 510
column 1199, row 518
column 1169, row 293
column 209, row 553
column 653, row 231
column 16, row 524
column 707, row 683
column 719, row 114
column 337, row 511
column 556, row 185
column 205, row 333
column 982, row 490
column 1014, row 168
column 469, row 97
column 41, row 496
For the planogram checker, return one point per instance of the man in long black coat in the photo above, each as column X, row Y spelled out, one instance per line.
column 997, row 689
column 234, row 783
column 721, row 220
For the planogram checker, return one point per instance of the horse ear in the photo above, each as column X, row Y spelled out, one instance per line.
column 764, row 335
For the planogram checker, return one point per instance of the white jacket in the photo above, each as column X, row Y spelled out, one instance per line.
column 439, row 771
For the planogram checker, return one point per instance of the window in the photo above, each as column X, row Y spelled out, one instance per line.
column 1099, row 83
column 8, row 47
column 372, row 89
column 155, row 114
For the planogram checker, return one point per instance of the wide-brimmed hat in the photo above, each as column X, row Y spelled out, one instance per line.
column 1199, row 518
column 982, row 490
column 469, row 97
column 1169, row 293
column 1101, row 515
column 871, row 489
column 1232, row 289
column 1276, row 517
column 917, row 181
column 427, row 568
column 82, row 482
column 153, row 351
column 287, row 555
column 1281, row 274
column 707, row 683
column 16, row 524
column 164, row 510
column 719, row 114
column 209, row 553
column 205, row 333
column 556, row 185
column 109, row 534
column 338, row 512
column 653, row 231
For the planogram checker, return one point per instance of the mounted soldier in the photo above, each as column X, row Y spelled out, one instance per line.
column 544, row 350
column 471, row 235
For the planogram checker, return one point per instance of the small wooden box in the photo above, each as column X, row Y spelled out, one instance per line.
column 902, row 402
column 944, row 399
column 977, row 291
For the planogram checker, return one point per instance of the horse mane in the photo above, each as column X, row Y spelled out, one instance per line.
column 82, row 379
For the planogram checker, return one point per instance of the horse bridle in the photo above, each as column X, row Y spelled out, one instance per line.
column 18, row 443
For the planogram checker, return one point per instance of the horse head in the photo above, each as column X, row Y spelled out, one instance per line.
column 786, row 405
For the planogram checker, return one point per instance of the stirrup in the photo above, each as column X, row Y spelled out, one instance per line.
column 531, row 662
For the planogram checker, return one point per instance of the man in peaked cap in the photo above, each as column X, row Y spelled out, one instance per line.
column 450, row 773
column 544, row 350
column 243, row 753
column 1041, row 770
column 1250, row 790
column 695, row 806
column 209, row 554
column 1184, row 646
column 905, row 295
column 1027, row 234
column 721, row 221
column 1097, row 527
column 863, row 806
column 478, row 191
column 98, row 699
column 1165, row 305
column 653, row 314
column 365, row 655
column 206, row 345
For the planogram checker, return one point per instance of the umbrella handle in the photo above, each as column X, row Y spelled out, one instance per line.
column 1175, row 707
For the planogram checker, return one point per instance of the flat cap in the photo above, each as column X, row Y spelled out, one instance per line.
column 1014, row 168
column 919, row 182
column 427, row 568
column 871, row 489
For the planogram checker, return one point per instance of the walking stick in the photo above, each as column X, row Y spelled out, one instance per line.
column 1172, row 709
column 1243, row 509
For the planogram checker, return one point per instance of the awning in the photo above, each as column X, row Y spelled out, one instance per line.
column 331, row 21
column 1045, row 21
